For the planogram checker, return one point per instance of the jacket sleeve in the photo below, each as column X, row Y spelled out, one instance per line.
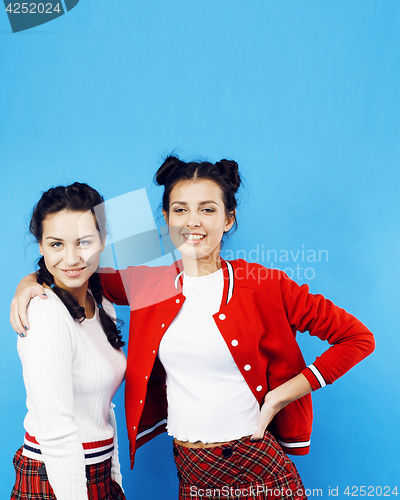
column 46, row 355
column 116, row 284
column 350, row 340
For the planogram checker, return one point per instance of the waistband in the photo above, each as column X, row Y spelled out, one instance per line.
column 95, row 451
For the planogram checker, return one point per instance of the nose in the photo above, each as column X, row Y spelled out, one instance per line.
column 193, row 221
column 72, row 256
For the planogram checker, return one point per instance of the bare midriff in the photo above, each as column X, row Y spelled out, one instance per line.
column 200, row 444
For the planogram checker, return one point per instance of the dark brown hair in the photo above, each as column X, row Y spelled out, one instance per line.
column 225, row 173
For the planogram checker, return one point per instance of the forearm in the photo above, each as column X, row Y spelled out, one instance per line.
column 65, row 467
column 278, row 398
column 28, row 280
column 115, row 465
column 27, row 288
column 293, row 389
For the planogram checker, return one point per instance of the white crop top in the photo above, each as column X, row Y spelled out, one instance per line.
column 208, row 398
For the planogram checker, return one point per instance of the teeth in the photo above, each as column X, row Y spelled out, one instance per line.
column 194, row 237
column 73, row 272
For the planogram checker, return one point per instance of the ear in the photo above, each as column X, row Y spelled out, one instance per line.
column 229, row 221
column 103, row 244
column 40, row 249
column 165, row 214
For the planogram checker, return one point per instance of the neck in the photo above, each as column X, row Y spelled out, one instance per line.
column 80, row 293
column 81, row 296
column 199, row 267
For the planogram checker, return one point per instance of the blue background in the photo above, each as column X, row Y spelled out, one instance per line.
column 304, row 94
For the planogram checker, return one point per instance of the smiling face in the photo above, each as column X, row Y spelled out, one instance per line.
column 197, row 221
column 71, row 247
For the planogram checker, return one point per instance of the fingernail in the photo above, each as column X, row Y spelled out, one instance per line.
column 252, row 440
column 26, row 328
column 22, row 335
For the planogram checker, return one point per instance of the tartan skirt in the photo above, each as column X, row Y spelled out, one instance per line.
column 239, row 470
column 32, row 485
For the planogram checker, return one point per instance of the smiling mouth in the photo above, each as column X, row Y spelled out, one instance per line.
column 194, row 237
column 73, row 272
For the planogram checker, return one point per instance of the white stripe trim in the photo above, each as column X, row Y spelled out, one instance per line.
column 99, row 449
column 177, row 279
column 147, row 431
column 231, row 281
column 99, row 458
column 108, row 451
column 299, row 444
column 318, row 375
column 31, row 454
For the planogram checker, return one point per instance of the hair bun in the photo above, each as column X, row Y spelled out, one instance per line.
column 167, row 169
column 231, row 170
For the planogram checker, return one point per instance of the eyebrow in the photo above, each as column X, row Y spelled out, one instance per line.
column 201, row 203
column 60, row 239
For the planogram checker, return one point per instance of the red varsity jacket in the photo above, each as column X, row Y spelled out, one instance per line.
column 260, row 313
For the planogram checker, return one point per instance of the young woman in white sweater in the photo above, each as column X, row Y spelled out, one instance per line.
column 72, row 358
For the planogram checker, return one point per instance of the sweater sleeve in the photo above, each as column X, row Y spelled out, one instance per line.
column 46, row 355
column 115, row 465
column 350, row 340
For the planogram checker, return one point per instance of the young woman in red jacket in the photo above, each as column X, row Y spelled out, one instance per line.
column 213, row 342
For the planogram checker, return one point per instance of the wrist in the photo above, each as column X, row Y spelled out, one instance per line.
column 274, row 401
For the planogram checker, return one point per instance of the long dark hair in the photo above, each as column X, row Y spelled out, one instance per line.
column 225, row 173
column 77, row 197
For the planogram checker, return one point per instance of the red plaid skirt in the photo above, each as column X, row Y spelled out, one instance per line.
column 239, row 470
column 29, row 485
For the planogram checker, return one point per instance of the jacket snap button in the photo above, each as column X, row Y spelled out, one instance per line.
column 177, row 301
column 141, row 401
column 259, row 387
column 234, row 343
column 222, row 316
column 162, row 326
column 134, row 427
column 227, row 452
column 247, row 367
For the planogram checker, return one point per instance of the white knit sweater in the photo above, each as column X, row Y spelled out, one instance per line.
column 71, row 373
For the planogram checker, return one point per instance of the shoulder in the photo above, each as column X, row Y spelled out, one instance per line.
column 52, row 329
column 49, row 313
column 254, row 278
column 252, row 274
column 51, row 305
